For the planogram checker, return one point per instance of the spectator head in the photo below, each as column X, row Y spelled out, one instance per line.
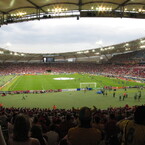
column 112, row 116
column 139, row 115
column 52, row 127
column 97, row 119
column 85, row 117
column 21, row 128
column 68, row 117
column 36, row 131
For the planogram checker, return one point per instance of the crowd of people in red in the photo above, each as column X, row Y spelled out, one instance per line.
column 134, row 70
column 25, row 126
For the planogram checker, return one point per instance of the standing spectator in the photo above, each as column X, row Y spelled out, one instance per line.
column 36, row 132
column 111, row 130
column 134, row 130
column 66, row 125
column 97, row 124
column 21, row 132
column 84, row 134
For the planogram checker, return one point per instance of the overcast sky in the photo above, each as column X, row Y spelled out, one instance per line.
column 69, row 34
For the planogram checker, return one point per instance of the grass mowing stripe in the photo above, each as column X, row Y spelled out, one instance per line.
column 5, row 79
column 42, row 84
column 7, row 85
column 17, row 82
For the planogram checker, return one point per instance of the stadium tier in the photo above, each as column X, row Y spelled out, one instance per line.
column 129, row 69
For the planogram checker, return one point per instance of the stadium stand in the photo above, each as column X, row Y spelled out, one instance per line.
column 134, row 70
column 136, row 57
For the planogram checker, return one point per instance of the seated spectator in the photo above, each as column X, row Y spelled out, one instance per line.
column 84, row 134
column 134, row 129
column 21, row 132
column 36, row 132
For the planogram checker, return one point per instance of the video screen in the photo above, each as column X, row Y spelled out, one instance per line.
column 48, row 59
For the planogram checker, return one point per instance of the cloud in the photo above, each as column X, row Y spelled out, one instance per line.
column 63, row 35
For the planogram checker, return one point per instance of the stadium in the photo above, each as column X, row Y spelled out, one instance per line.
column 108, row 79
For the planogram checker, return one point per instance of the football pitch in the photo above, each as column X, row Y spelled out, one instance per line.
column 67, row 100
column 62, row 81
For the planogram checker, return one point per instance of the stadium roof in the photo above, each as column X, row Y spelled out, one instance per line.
column 12, row 11
column 88, row 55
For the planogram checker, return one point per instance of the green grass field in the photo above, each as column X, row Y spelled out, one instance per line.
column 46, row 82
column 70, row 99
column 75, row 99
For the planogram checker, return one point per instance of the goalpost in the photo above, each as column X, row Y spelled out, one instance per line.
column 88, row 85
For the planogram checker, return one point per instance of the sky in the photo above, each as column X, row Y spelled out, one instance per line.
column 69, row 34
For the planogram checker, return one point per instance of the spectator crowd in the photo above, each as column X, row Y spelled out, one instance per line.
column 134, row 70
column 85, row 126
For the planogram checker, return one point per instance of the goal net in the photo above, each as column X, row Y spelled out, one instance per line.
column 88, row 85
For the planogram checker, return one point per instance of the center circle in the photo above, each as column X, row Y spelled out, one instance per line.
column 63, row 78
